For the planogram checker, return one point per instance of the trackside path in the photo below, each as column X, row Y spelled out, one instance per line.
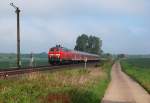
column 122, row 89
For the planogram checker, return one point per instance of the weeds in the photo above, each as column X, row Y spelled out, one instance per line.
column 68, row 86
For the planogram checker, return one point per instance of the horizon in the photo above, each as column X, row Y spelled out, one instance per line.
column 47, row 52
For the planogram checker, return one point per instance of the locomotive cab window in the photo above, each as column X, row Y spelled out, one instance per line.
column 54, row 49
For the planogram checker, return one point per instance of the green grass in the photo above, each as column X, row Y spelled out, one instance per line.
column 140, row 62
column 25, row 62
column 139, row 69
column 68, row 86
column 9, row 60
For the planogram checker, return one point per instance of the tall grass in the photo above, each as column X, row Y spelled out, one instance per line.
column 68, row 86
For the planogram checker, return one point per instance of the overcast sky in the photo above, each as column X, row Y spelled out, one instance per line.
column 123, row 25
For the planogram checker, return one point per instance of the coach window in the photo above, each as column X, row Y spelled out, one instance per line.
column 65, row 49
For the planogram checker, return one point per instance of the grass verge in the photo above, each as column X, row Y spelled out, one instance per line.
column 138, row 73
column 68, row 86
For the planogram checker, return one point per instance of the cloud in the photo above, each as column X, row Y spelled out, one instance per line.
column 125, row 40
column 140, row 31
column 44, row 23
column 76, row 7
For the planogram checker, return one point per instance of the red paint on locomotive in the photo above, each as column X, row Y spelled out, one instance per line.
column 60, row 55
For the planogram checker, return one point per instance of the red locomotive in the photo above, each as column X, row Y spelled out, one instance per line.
column 61, row 55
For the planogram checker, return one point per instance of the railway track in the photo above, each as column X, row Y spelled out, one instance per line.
column 7, row 72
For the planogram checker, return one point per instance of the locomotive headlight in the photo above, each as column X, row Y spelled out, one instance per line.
column 58, row 55
column 51, row 54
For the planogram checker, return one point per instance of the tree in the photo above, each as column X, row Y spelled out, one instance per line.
column 94, row 45
column 82, row 43
column 91, row 44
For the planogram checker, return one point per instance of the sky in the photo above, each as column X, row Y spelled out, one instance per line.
column 122, row 25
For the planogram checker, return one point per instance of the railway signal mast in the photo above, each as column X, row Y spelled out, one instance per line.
column 18, row 35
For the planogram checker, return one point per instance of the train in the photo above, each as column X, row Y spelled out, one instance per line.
column 62, row 55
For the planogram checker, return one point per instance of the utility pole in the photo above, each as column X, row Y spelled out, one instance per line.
column 18, row 35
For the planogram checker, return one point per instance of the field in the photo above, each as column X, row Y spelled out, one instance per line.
column 9, row 60
column 139, row 69
column 67, row 86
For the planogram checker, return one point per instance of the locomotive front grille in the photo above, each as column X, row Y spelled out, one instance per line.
column 54, row 58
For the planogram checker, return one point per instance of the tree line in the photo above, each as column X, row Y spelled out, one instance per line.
column 90, row 44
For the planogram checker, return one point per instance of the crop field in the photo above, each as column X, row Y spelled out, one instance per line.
column 9, row 60
column 139, row 69
column 67, row 86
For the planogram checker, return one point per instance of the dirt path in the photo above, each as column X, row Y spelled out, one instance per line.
column 123, row 89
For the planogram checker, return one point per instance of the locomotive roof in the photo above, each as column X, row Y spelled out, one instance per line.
column 85, row 53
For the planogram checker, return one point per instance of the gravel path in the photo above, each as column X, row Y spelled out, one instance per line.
column 122, row 89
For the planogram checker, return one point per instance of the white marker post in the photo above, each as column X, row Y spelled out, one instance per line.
column 85, row 61
column 31, row 60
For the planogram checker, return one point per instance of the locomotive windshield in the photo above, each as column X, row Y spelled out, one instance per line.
column 59, row 48
column 54, row 49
